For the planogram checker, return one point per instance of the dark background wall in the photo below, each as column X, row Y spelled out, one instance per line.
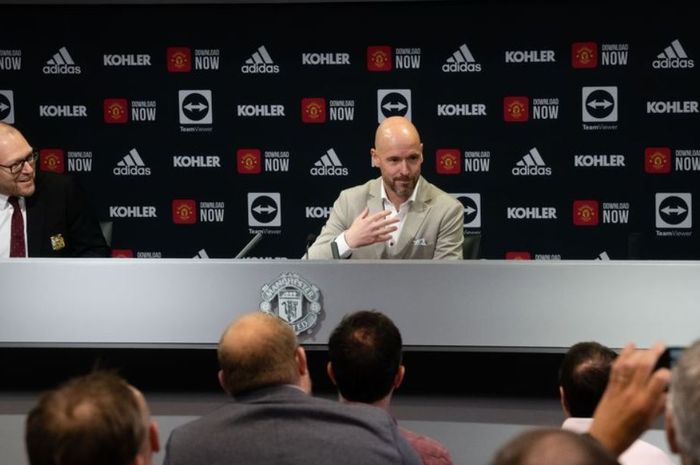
column 196, row 178
column 429, row 31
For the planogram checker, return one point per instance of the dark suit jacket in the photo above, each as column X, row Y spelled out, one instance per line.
column 282, row 425
column 59, row 221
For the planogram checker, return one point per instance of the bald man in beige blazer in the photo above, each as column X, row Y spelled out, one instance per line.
column 399, row 215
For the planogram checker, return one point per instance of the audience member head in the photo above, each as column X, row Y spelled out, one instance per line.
column 94, row 419
column 683, row 410
column 552, row 447
column 365, row 357
column 583, row 377
column 17, row 163
column 259, row 350
column 398, row 153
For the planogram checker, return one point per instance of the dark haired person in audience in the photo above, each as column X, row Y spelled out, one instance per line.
column 399, row 215
column 41, row 214
column 633, row 399
column 365, row 365
column 583, row 376
column 272, row 419
column 94, row 419
column 683, row 409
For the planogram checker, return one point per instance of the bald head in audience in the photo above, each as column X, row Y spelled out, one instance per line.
column 94, row 419
column 259, row 350
column 552, row 447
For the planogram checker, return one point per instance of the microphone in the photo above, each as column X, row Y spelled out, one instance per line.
column 249, row 246
column 310, row 239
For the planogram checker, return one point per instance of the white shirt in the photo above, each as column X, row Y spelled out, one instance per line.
column 639, row 453
column 6, row 212
column 344, row 249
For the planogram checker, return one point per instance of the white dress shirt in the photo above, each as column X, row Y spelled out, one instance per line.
column 344, row 249
column 639, row 453
column 6, row 212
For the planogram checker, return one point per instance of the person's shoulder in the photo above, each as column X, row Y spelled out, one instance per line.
column 355, row 411
column 362, row 189
column 437, row 195
column 424, row 443
column 202, row 425
column 642, row 453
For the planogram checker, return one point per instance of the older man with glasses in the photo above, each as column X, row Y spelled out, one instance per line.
column 41, row 214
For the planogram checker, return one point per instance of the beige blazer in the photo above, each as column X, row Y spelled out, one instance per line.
column 434, row 226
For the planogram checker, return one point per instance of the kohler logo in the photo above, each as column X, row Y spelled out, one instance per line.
column 130, row 59
column 318, row 212
column 132, row 212
column 63, row 111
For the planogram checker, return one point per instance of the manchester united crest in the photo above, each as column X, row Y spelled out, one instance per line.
column 293, row 299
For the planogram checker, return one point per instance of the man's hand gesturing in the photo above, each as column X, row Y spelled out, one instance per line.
column 369, row 229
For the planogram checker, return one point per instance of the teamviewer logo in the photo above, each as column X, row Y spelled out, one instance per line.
column 599, row 104
column 472, row 209
column 195, row 107
column 7, row 108
column 674, row 210
column 264, row 209
column 393, row 102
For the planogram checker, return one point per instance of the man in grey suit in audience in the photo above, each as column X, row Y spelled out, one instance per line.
column 272, row 418
column 398, row 215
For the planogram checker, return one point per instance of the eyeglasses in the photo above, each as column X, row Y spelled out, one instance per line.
column 17, row 166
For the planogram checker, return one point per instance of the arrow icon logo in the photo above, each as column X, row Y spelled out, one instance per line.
column 394, row 106
column 3, row 107
column 198, row 107
column 266, row 209
column 600, row 104
column 678, row 210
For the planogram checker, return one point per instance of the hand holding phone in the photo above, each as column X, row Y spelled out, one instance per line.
column 669, row 357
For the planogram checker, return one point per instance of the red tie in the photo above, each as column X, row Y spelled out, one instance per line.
column 17, row 248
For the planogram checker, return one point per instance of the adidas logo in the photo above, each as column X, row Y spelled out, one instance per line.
column 202, row 254
column 131, row 165
column 61, row 63
column 260, row 63
column 61, row 58
column 461, row 61
column 603, row 256
column 532, row 164
column 329, row 165
column 673, row 57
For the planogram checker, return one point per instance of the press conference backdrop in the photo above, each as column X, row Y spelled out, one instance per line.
column 567, row 130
